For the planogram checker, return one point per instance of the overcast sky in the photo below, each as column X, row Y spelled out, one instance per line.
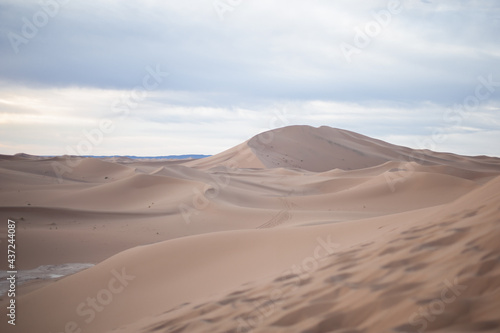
column 200, row 76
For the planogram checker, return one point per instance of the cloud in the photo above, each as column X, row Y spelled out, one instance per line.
column 229, row 76
column 157, row 127
column 264, row 49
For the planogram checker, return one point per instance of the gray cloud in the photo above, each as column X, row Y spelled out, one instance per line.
column 264, row 50
column 426, row 58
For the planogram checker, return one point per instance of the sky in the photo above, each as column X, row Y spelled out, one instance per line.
column 152, row 78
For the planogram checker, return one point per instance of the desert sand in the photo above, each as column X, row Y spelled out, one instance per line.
column 298, row 229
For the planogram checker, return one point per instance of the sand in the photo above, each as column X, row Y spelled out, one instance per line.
column 299, row 229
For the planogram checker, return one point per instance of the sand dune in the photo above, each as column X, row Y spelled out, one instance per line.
column 299, row 229
column 402, row 281
column 240, row 156
column 130, row 193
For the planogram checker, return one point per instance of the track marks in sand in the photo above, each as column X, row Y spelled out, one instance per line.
column 284, row 215
column 303, row 313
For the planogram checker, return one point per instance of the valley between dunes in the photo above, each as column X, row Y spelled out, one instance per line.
column 298, row 229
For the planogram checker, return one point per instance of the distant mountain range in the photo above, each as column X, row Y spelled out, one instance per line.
column 167, row 157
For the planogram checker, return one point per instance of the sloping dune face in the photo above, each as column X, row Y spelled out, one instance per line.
column 320, row 149
column 326, row 148
column 440, row 273
column 298, row 229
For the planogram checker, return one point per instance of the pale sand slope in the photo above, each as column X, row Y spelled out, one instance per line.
column 437, row 272
column 251, row 213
